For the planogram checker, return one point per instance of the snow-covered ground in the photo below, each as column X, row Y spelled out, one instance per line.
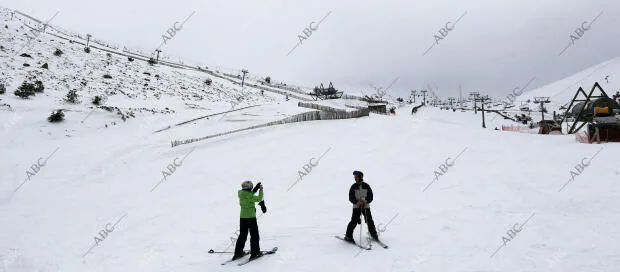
column 499, row 180
column 449, row 195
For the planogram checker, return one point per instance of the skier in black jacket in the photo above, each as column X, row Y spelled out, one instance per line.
column 360, row 195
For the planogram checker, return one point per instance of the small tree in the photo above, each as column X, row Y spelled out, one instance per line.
column 38, row 86
column 208, row 81
column 2, row 89
column 72, row 97
column 58, row 52
column 56, row 116
column 25, row 90
column 268, row 80
column 87, row 50
column 97, row 100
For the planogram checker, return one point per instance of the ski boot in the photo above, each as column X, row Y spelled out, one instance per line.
column 255, row 256
column 239, row 256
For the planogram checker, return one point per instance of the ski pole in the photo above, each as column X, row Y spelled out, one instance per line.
column 361, row 230
column 364, row 210
column 361, row 225
column 213, row 251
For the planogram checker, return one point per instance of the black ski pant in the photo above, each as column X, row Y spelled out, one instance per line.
column 356, row 219
column 245, row 225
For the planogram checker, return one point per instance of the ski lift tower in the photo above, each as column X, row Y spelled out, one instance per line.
column 542, row 101
column 244, row 71
column 451, row 99
column 158, row 51
column 482, row 99
column 460, row 96
column 475, row 95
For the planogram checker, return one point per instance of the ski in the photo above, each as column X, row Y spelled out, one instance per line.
column 269, row 252
column 211, row 251
column 353, row 243
column 231, row 260
column 380, row 243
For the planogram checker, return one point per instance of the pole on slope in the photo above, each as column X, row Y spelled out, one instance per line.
column 475, row 96
column 244, row 71
column 461, row 96
column 361, row 224
column 483, row 124
column 158, row 51
column 542, row 101
column 482, row 99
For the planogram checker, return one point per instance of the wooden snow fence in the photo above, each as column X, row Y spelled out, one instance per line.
column 351, row 97
column 356, row 107
column 327, row 113
column 306, row 116
column 319, row 107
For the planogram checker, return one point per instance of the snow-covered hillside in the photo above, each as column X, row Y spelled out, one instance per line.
column 128, row 87
column 89, row 194
column 561, row 92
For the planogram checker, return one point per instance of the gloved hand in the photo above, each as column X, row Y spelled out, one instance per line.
column 258, row 186
column 262, row 206
column 361, row 203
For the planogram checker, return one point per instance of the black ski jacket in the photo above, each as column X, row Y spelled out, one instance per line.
column 360, row 191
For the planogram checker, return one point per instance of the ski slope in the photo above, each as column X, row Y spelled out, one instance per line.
column 97, row 201
column 100, row 176
column 562, row 91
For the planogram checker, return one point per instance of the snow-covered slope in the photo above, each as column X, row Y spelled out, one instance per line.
column 449, row 196
column 499, row 180
column 129, row 87
column 562, row 91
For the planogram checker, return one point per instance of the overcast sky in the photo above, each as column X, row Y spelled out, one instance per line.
column 496, row 46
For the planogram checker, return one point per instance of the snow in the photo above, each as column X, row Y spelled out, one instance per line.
column 100, row 176
column 563, row 91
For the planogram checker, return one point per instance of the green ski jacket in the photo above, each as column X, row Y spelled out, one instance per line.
column 246, row 201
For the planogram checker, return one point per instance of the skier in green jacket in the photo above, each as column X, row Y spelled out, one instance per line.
column 247, row 222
